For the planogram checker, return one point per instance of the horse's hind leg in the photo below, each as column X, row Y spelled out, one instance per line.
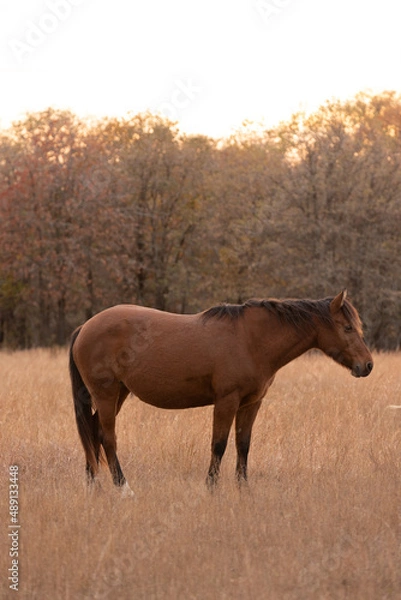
column 244, row 421
column 223, row 416
column 107, row 412
column 108, row 421
column 96, row 440
column 91, row 467
column 124, row 391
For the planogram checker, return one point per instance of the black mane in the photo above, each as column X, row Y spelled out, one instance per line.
column 295, row 312
column 223, row 311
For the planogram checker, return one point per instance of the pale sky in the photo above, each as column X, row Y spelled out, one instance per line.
column 208, row 64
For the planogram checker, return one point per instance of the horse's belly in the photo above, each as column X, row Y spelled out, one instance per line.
column 176, row 403
column 190, row 393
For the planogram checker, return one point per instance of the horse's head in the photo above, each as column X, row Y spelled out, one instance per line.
column 343, row 338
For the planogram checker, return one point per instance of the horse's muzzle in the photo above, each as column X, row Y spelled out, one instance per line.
column 362, row 370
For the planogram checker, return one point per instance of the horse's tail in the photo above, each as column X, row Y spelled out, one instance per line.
column 83, row 411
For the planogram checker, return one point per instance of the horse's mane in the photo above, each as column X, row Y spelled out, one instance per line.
column 298, row 313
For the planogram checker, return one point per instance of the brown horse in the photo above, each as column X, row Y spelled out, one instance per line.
column 226, row 356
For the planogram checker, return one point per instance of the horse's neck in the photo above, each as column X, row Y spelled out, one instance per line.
column 282, row 342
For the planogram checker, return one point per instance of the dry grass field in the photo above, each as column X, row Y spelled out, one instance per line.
column 320, row 519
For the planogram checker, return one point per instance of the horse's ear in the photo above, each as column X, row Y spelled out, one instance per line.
column 337, row 302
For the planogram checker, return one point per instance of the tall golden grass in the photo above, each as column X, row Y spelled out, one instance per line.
column 319, row 519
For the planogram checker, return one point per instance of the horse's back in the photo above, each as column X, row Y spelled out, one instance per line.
column 127, row 320
column 166, row 359
column 140, row 346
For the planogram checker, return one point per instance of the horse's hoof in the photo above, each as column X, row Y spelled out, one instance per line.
column 126, row 491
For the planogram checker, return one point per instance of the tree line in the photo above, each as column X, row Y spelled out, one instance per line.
column 131, row 210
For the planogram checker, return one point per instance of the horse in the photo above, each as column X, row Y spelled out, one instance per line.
column 226, row 356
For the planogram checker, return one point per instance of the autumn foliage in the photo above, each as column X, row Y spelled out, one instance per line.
column 130, row 210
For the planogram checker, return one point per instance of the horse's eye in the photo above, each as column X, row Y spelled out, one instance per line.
column 348, row 328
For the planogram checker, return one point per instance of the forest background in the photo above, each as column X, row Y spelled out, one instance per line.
column 131, row 210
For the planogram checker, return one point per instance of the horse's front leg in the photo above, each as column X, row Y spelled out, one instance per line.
column 244, row 421
column 223, row 416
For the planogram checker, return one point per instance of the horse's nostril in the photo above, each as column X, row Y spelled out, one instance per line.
column 369, row 366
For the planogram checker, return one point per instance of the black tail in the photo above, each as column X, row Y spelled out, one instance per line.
column 83, row 412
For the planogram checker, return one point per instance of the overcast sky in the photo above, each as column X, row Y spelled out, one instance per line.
column 209, row 65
